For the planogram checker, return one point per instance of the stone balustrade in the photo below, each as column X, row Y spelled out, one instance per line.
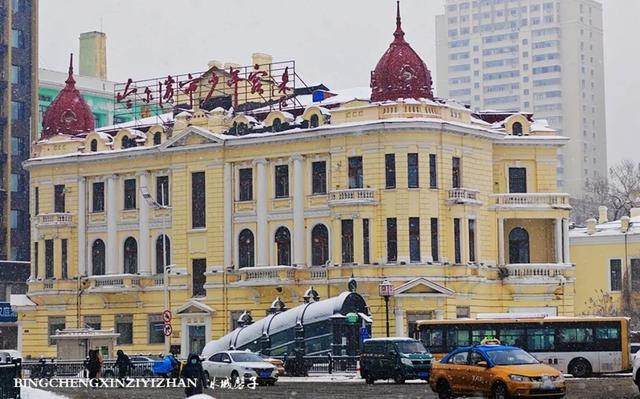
column 354, row 196
column 538, row 270
column 532, row 200
column 54, row 219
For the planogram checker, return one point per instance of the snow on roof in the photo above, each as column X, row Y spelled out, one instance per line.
column 608, row 229
column 20, row 300
column 540, row 125
column 161, row 119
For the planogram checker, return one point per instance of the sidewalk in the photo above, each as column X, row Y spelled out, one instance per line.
column 335, row 377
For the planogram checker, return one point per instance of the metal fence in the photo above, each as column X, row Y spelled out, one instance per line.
column 77, row 368
column 325, row 364
column 8, row 373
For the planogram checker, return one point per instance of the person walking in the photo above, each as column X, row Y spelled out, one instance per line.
column 193, row 371
column 94, row 365
column 123, row 363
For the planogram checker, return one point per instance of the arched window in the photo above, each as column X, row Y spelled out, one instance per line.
column 94, row 145
column 241, row 129
column 283, row 244
column 277, row 125
column 516, row 129
column 163, row 247
column 518, row 246
column 314, row 121
column 97, row 258
column 319, row 245
column 127, row 142
column 130, row 256
column 245, row 249
column 157, row 138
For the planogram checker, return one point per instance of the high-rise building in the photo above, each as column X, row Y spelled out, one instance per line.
column 539, row 56
column 18, row 74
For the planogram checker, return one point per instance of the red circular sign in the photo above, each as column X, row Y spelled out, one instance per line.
column 167, row 316
column 167, row 330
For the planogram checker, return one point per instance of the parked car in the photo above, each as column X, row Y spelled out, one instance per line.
column 633, row 350
column 276, row 362
column 398, row 358
column 636, row 371
column 141, row 366
column 496, row 371
column 239, row 365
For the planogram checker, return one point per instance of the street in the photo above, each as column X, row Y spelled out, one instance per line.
column 323, row 388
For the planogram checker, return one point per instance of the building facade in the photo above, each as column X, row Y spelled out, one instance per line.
column 540, row 56
column 459, row 210
column 18, row 89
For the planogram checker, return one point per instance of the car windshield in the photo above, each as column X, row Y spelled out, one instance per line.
column 410, row 347
column 245, row 357
column 504, row 357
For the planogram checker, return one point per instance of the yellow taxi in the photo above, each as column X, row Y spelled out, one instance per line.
column 496, row 371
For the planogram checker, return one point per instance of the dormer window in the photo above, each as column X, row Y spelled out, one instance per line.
column 94, row 145
column 277, row 125
column 127, row 142
column 157, row 138
column 241, row 129
column 314, row 121
column 516, row 129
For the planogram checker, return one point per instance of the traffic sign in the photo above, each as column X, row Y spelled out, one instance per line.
column 167, row 316
column 167, row 330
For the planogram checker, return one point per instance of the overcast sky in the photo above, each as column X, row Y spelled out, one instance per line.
column 336, row 42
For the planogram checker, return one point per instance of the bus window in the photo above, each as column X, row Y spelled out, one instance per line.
column 478, row 335
column 433, row 339
column 540, row 339
column 513, row 337
column 457, row 338
column 607, row 333
column 575, row 334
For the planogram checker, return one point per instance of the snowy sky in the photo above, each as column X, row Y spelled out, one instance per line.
column 336, row 42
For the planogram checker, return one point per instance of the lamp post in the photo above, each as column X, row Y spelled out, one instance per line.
column 166, row 270
column 385, row 290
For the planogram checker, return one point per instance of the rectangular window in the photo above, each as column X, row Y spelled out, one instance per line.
column 97, row 200
column 124, row 327
column 17, row 38
column 17, row 111
column 365, row 241
column 63, row 257
column 472, row 240
column 18, row 5
column 433, row 171
column 355, row 172
column 635, row 274
column 282, row 181
column 319, row 170
column 17, row 146
column 413, row 175
column 414, row 239
column 246, row 184
column 457, row 241
column 463, row 312
column 455, row 173
column 198, row 200
column 36, row 256
column 16, row 74
column 48, row 258
column 392, row 240
column 434, row 240
column 517, row 180
column 156, row 329
column 130, row 194
column 16, row 219
column 59, row 205
column 615, row 275
column 94, row 322
column 199, row 278
column 56, row 323
column 36, row 199
column 390, row 170
column 17, row 183
column 347, row 241
column 162, row 190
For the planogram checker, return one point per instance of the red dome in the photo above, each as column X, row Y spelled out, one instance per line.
column 400, row 73
column 68, row 113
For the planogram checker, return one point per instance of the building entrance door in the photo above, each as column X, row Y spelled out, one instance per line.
column 196, row 339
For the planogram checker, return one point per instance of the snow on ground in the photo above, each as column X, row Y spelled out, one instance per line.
column 33, row 393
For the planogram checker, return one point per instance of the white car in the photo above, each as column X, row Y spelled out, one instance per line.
column 239, row 366
column 636, row 371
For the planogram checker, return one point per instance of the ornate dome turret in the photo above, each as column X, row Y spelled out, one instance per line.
column 400, row 73
column 68, row 113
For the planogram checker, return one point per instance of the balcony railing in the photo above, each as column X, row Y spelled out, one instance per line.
column 532, row 200
column 268, row 274
column 54, row 219
column 537, row 270
column 354, row 196
column 463, row 196
column 118, row 281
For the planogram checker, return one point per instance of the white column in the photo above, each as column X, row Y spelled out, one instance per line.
column 500, row 242
column 262, row 196
column 299, row 237
column 82, row 236
column 112, row 233
column 144, row 265
column 558, row 240
column 399, row 319
column 228, row 216
column 567, row 249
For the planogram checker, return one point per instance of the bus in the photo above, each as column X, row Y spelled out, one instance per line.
column 575, row 345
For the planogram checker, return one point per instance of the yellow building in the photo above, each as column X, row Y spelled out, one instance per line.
column 457, row 209
column 607, row 258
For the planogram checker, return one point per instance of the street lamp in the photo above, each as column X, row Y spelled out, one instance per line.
column 165, row 281
column 385, row 290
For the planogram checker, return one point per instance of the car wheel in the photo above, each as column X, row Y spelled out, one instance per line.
column 271, row 383
column 443, row 389
column 235, row 378
column 207, row 378
column 398, row 378
column 499, row 391
column 369, row 378
column 580, row 368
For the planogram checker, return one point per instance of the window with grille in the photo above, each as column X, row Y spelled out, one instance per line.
column 392, row 240
column 390, row 170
